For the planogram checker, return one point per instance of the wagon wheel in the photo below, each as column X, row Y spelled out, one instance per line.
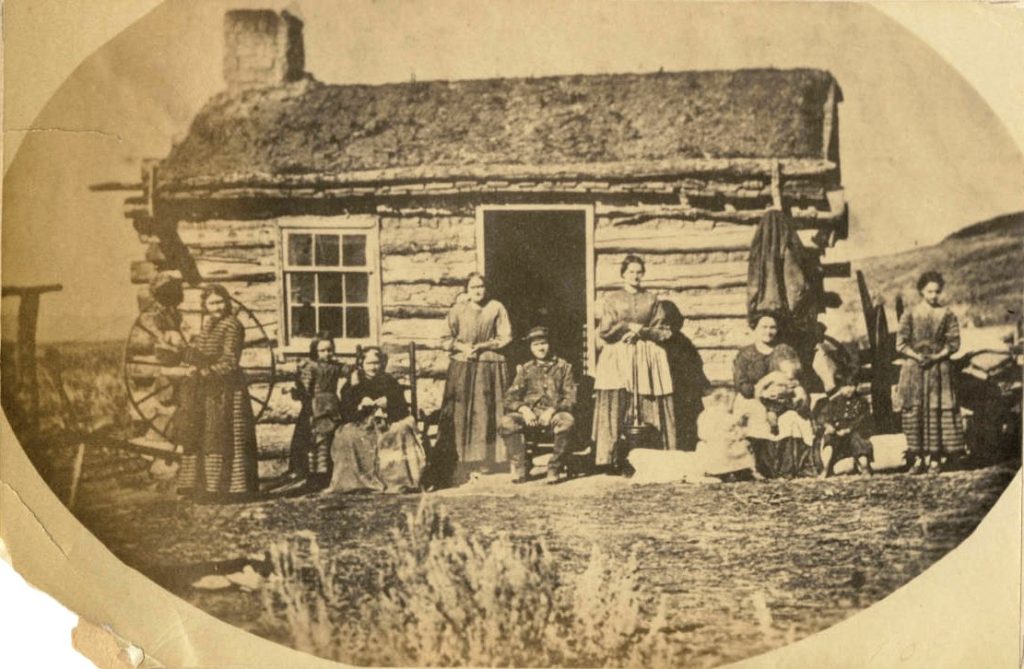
column 882, row 343
column 151, row 380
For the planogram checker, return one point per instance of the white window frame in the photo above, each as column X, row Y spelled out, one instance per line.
column 588, row 211
column 358, row 224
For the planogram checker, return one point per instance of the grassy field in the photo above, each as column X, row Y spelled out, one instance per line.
column 743, row 567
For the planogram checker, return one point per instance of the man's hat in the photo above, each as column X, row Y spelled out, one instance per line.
column 539, row 332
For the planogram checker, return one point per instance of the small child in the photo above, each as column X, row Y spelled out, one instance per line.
column 780, row 391
column 845, row 421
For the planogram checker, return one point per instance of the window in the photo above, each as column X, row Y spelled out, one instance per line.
column 328, row 284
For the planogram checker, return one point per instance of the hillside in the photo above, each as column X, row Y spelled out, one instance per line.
column 981, row 264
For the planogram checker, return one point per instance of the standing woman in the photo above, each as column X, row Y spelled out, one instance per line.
column 927, row 336
column 632, row 325
column 316, row 386
column 474, row 392
column 218, row 431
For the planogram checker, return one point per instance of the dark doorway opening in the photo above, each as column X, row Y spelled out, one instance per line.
column 536, row 265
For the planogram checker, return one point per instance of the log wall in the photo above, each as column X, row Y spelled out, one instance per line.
column 694, row 234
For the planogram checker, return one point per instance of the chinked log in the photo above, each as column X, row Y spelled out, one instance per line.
column 422, row 295
column 670, row 276
column 403, row 311
column 631, row 171
column 672, row 235
column 218, row 234
column 444, row 269
column 428, row 331
column 632, row 215
column 403, row 236
column 243, row 272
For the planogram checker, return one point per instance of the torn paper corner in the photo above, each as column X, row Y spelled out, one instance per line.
column 106, row 649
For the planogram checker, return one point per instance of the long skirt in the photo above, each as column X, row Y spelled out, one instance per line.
column 933, row 431
column 400, row 457
column 789, row 457
column 611, row 409
column 366, row 459
column 218, row 432
column 354, row 452
column 789, row 451
column 474, row 397
column 310, row 451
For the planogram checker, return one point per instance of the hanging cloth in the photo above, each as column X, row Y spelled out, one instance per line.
column 781, row 278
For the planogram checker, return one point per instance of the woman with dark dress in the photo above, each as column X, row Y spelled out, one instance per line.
column 316, row 386
column 783, row 449
column 474, row 390
column 377, row 449
column 217, row 429
column 927, row 336
column 632, row 326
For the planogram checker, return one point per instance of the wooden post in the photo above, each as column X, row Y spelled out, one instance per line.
column 777, row 186
column 26, row 375
column 413, row 399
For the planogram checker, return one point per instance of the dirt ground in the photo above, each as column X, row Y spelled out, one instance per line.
column 746, row 566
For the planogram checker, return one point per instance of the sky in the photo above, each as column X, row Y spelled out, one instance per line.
column 922, row 153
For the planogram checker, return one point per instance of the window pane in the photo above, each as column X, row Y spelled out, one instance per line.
column 357, row 322
column 327, row 250
column 301, row 288
column 329, row 284
column 300, row 249
column 353, row 250
column 357, row 287
column 303, row 322
column 330, row 321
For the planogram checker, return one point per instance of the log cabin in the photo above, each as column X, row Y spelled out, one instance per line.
column 360, row 209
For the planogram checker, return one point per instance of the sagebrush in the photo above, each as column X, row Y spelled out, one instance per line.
column 444, row 597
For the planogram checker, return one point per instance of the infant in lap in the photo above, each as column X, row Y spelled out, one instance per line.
column 780, row 391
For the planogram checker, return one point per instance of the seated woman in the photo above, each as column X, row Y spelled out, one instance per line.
column 377, row 450
column 784, row 449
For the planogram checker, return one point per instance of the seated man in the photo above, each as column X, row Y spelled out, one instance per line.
column 543, row 395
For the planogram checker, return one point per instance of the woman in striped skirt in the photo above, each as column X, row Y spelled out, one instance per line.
column 928, row 335
column 217, row 429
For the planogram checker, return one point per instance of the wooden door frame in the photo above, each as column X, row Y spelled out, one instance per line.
column 591, row 290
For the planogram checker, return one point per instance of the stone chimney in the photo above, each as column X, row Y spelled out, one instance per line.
column 262, row 48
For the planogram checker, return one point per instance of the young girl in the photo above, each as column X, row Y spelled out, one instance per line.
column 316, row 386
column 928, row 335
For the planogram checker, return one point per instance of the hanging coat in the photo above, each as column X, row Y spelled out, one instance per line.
column 781, row 278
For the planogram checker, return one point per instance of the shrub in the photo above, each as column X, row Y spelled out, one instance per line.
column 447, row 598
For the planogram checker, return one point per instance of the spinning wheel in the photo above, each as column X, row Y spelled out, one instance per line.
column 153, row 366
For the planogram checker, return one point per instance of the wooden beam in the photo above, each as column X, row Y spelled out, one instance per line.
column 618, row 172
column 632, row 215
column 835, row 270
column 117, row 186
column 19, row 291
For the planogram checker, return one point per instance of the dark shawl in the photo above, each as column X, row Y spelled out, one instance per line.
column 781, row 277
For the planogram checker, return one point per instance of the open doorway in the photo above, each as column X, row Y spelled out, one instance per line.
column 539, row 264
